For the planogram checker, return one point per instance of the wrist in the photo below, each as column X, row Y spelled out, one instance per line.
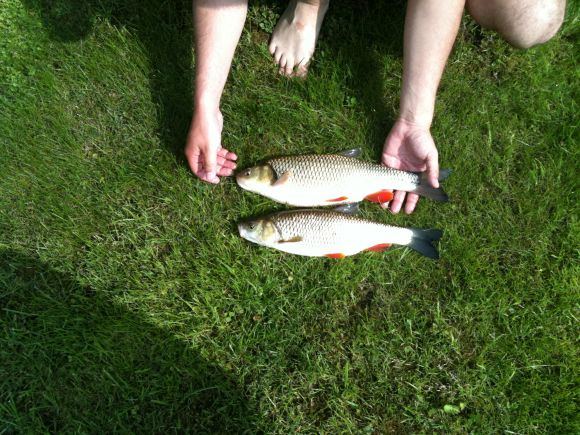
column 205, row 104
column 417, row 105
column 411, row 122
column 419, row 115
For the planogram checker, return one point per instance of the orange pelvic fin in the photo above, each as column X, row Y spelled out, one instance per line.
column 380, row 247
column 335, row 255
column 340, row 198
column 381, row 196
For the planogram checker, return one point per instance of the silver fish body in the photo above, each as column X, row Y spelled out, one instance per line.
column 330, row 179
column 330, row 233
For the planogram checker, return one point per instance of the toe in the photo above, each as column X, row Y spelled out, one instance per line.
column 272, row 48
column 302, row 69
column 289, row 67
column 278, row 55
column 282, row 64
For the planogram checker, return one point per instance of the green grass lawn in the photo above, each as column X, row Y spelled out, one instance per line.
column 128, row 302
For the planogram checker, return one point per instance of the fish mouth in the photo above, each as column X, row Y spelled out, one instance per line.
column 245, row 233
column 240, row 178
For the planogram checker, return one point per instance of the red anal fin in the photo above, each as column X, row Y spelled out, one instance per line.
column 380, row 247
column 340, row 198
column 335, row 255
column 381, row 196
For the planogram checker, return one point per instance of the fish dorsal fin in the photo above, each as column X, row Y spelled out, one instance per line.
column 282, row 179
column 347, row 208
column 292, row 240
column 354, row 153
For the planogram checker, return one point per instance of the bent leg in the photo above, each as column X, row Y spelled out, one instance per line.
column 522, row 23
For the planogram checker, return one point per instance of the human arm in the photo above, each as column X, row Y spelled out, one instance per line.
column 430, row 30
column 218, row 26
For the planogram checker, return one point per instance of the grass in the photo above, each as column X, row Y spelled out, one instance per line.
column 128, row 303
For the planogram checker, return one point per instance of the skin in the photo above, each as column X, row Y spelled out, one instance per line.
column 207, row 158
column 409, row 145
column 430, row 30
column 294, row 38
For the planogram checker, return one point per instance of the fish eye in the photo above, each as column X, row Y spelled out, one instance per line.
column 248, row 172
column 252, row 225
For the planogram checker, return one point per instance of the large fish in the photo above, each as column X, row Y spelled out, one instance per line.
column 330, row 179
column 333, row 233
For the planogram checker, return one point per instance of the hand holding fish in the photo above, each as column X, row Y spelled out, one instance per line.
column 410, row 147
column 205, row 155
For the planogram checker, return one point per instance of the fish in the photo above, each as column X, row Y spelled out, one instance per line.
column 334, row 233
column 315, row 180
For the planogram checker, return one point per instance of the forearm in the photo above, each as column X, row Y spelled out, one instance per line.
column 430, row 30
column 218, row 26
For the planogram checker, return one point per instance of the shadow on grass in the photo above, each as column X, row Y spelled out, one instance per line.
column 164, row 28
column 359, row 33
column 71, row 360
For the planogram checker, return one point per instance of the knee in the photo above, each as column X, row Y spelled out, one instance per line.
column 522, row 23
column 535, row 25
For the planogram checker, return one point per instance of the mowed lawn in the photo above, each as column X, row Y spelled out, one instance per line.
column 128, row 302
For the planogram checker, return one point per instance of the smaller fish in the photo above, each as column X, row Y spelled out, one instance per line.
column 332, row 179
column 333, row 233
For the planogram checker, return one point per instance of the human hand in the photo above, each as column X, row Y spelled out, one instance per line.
column 205, row 155
column 410, row 147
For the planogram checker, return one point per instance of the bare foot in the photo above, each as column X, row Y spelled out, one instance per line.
column 294, row 38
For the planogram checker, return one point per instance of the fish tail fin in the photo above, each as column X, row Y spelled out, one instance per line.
column 444, row 174
column 422, row 242
column 425, row 189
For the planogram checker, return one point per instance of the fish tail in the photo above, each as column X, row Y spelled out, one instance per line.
column 422, row 242
column 425, row 189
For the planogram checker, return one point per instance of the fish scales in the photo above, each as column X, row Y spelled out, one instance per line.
column 319, row 228
column 334, row 234
column 310, row 170
column 332, row 179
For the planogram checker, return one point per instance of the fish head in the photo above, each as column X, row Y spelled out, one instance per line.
column 256, row 179
column 261, row 231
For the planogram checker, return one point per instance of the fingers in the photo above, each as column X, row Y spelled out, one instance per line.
column 227, row 154
column 411, row 202
column 433, row 170
column 397, row 201
column 204, row 176
column 224, row 165
column 409, row 199
column 193, row 160
column 225, row 172
column 210, row 166
column 221, row 163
